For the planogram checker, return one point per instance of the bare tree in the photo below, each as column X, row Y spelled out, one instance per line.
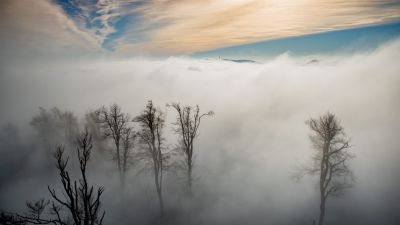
column 79, row 203
column 151, row 122
column 128, row 137
column 55, row 126
column 115, row 125
column 330, row 161
column 187, row 123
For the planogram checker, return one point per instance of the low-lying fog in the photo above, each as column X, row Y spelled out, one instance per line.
column 245, row 154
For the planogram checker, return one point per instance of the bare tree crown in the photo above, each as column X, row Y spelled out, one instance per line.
column 187, row 123
column 330, row 161
column 151, row 122
column 332, row 155
column 115, row 124
column 79, row 202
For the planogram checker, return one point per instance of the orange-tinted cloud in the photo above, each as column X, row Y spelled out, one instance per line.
column 184, row 26
column 197, row 25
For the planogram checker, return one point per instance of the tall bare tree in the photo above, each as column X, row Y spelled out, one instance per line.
column 330, row 161
column 78, row 203
column 151, row 122
column 116, row 126
column 128, row 137
column 187, row 124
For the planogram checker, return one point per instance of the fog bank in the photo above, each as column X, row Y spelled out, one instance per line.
column 245, row 154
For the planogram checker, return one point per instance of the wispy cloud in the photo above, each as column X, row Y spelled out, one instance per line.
column 104, row 19
column 29, row 28
column 198, row 25
column 180, row 27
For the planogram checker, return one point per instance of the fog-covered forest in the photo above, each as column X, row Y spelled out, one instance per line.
column 220, row 112
column 258, row 135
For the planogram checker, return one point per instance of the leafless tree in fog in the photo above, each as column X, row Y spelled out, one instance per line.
column 330, row 161
column 151, row 122
column 96, row 130
column 128, row 137
column 187, row 123
column 115, row 125
column 55, row 126
column 79, row 203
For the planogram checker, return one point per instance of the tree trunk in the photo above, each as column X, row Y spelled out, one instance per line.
column 321, row 212
column 120, row 169
column 322, row 185
column 161, row 201
column 189, row 174
column 123, row 171
column 118, row 158
column 159, row 190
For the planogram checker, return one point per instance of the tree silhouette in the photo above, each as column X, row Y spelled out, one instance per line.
column 330, row 161
column 115, row 125
column 151, row 122
column 79, row 203
column 187, row 123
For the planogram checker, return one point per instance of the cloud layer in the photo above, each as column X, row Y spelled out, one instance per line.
column 188, row 26
column 177, row 27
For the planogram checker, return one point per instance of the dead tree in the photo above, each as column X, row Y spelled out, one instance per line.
column 330, row 161
column 151, row 122
column 79, row 203
column 115, row 125
column 128, row 137
column 187, row 123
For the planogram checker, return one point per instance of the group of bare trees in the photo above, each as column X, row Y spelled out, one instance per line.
column 80, row 203
column 117, row 126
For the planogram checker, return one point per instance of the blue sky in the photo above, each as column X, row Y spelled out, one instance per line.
column 88, row 15
column 346, row 41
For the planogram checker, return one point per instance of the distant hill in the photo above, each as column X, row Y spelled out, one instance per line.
column 240, row 60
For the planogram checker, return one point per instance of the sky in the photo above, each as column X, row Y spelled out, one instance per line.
column 176, row 27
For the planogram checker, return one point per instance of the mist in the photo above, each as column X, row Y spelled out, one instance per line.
column 245, row 154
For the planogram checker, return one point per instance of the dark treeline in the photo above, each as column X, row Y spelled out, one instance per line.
column 138, row 143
